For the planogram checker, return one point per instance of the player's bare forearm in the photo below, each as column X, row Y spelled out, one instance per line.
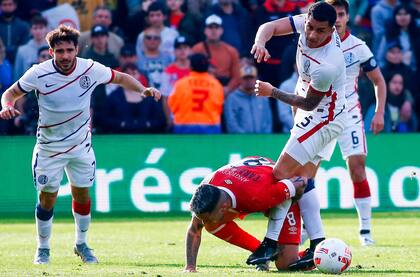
column 192, row 244
column 128, row 82
column 11, row 95
column 307, row 104
column 378, row 81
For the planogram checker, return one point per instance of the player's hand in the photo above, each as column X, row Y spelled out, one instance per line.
column 150, row 91
column 8, row 112
column 190, row 268
column 260, row 52
column 377, row 124
column 263, row 88
column 299, row 183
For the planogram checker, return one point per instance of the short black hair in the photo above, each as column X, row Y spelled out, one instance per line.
column 155, row 7
column 42, row 48
column 199, row 63
column 339, row 3
column 62, row 33
column 205, row 199
column 322, row 11
column 39, row 20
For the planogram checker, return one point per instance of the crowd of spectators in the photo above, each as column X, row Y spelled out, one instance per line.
column 197, row 53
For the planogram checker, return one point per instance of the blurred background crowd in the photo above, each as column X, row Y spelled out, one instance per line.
column 197, row 52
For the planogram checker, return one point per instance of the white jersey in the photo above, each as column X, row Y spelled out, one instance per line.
column 356, row 54
column 64, row 102
column 323, row 69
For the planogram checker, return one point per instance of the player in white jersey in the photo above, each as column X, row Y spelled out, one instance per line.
column 352, row 141
column 319, row 99
column 63, row 86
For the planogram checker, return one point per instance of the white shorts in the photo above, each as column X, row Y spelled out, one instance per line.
column 352, row 140
column 310, row 135
column 48, row 168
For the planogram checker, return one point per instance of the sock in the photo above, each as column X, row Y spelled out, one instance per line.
column 232, row 233
column 43, row 219
column 362, row 201
column 81, row 213
column 314, row 243
column 276, row 219
column 311, row 213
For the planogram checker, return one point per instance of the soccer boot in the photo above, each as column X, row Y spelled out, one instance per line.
column 42, row 256
column 306, row 262
column 366, row 240
column 85, row 253
column 263, row 267
column 267, row 251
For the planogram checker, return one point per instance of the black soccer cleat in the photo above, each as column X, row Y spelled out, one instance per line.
column 267, row 251
column 306, row 262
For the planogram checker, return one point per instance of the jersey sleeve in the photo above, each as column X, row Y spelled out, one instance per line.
column 322, row 78
column 28, row 81
column 298, row 23
column 103, row 74
column 367, row 60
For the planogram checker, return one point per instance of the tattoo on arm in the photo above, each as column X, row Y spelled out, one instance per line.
column 307, row 103
column 193, row 242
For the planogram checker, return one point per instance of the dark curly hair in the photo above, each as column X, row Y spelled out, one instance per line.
column 205, row 199
column 62, row 33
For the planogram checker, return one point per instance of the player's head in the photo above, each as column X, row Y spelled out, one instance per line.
column 199, row 63
column 319, row 24
column 206, row 204
column 342, row 9
column 63, row 43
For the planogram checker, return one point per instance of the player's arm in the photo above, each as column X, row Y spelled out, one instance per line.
column 8, row 100
column 192, row 244
column 375, row 76
column 266, row 31
column 308, row 103
column 130, row 83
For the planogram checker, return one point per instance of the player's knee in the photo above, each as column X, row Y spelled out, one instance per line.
column 357, row 169
column 283, row 262
column 47, row 200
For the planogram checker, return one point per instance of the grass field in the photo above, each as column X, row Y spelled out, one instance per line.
column 155, row 247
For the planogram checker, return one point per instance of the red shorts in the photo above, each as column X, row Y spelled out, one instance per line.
column 290, row 233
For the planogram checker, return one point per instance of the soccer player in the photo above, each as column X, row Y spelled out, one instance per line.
column 235, row 190
column 63, row 86
column 352, row 141
column 319, row 100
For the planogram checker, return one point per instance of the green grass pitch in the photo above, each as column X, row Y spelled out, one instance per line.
column 155, row 247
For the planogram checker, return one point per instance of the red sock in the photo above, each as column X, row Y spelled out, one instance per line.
column 232, row 233
column 361, row 189
column 82, row 209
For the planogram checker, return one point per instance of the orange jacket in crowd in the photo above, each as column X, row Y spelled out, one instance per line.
column 197, row 99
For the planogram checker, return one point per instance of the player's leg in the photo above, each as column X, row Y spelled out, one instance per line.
column 81, row 174
column 288, row 253
column 362, row 196
column 47, row 173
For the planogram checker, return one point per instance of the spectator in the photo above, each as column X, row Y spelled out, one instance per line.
column 357, row 11
column 13, row 31
column 136, row 23
column 102, row 16
column 151, row 61
column 245, row 112
column 399, row 115
column 98, row 51
column 130, row 113
column 223, row 58
column 128, row 56
column 156, row 15
column 197, row 100
column 27, row 54
column 187, row 24
column 5, row 81
column 235, row 24
column 28, row 8
column 380, row 14
column 402, row 28
column 199, row 7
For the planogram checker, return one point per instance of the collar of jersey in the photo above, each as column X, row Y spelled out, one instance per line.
column 61, row 72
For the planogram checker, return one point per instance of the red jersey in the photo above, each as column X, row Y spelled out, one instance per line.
column 251, row 185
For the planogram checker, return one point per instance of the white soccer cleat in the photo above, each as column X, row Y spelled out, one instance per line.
column 366, row 240
column 42, row 256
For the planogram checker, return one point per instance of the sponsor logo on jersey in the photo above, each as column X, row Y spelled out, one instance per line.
column 293, row 230
column 228, row 182
column 49, row 85
column 42, row 179
column 84, row 82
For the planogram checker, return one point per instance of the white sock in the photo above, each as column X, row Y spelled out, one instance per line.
column 310, row 211
column 364, row 209
column 82, row 223
column 43, row 229
column 276, row 219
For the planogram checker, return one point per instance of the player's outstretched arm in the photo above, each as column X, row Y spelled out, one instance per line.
column 8, row 100
column 277, row 27
column 192, row 244
column 307, row 103
column 130, row 83
column 377, row 124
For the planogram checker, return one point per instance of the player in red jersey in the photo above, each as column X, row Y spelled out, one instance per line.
column 235, row 190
